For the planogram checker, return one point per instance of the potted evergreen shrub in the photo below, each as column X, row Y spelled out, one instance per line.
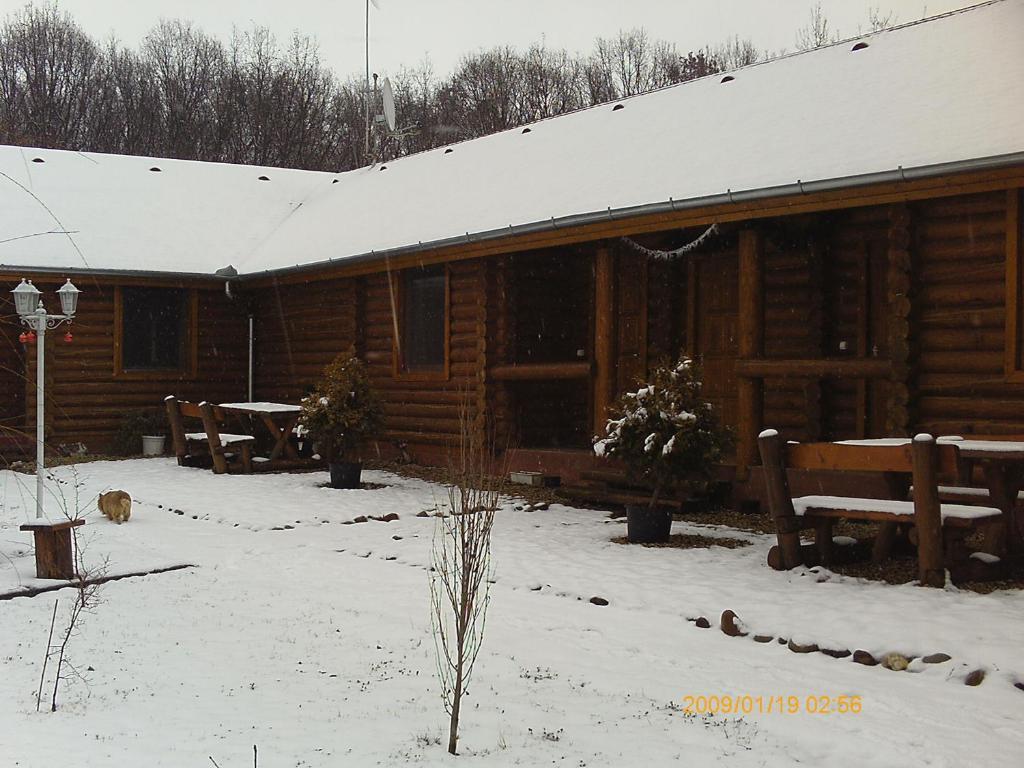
column 339, row 415
column 669, row 437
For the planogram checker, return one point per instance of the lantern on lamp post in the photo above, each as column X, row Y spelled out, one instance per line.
column 30, row 309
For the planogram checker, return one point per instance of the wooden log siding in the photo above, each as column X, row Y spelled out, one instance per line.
column 960, row 253
column 12, row 367
column 86, row 404
column 426, row 410
column 299, row 329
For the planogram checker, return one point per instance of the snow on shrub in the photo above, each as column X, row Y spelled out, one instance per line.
column 342, row 410
column 666, row 432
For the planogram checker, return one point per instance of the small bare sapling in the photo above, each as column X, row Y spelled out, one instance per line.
column 460, row 578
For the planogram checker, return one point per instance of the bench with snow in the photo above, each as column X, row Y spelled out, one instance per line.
column 54, row 557
column 226, row 452
column 938, row 529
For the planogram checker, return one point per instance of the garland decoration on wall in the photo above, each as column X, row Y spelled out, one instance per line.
column 668, row 255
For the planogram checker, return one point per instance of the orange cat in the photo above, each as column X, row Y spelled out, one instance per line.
column 116, row 505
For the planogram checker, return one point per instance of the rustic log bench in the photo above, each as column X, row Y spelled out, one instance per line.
column 939, row 529
column 54, row 556
column 227, row 452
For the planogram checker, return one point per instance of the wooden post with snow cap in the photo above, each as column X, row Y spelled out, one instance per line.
column 927, row 512
column 780, row 502
column 604, row 333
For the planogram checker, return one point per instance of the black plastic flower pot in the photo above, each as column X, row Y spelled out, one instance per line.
column 648, row 526
column 345, row 474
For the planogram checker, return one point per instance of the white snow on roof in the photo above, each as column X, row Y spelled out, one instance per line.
column 188, row 217
column 948, row 90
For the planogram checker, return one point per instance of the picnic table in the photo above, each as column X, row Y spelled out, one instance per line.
column 1002, row 464
column 280, row 420
column 234, row 451
column 937, row 527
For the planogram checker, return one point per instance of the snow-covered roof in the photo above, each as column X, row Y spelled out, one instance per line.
column 931, row 95
column 83, row 210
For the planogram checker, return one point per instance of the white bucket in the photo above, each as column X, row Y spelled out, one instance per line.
column 153, row 445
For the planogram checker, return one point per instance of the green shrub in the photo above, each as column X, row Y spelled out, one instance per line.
column 135, row 424
column 342, row 410
column 666, row 432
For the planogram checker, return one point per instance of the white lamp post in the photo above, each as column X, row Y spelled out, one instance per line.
column 32, row 313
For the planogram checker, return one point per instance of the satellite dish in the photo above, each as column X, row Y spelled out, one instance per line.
column 389, row 104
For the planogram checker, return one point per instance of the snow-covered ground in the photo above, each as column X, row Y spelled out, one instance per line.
column 311, row 639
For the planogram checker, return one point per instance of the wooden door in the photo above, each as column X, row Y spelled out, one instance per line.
column 714, row 294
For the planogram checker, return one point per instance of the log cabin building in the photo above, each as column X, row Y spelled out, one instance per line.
column 854, row 212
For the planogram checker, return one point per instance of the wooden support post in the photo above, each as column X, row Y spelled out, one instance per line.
column 780, row 502
column 177, row 428
column 927, row 513
column 604, row 336
column 750, row 392
column 54, row 556
column 898, row 406
column 823, row 540
column 220, row 464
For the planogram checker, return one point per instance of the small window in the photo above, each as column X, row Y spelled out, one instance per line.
column 424, row 320
column 154, row 329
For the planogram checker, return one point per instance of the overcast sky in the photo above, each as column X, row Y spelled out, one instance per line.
column 404, row 32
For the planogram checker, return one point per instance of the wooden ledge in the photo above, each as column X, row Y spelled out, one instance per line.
column 61, row 525
column 814, row 368
column 541, row 371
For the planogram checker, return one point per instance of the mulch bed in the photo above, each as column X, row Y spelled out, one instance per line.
column 689, row 541
column 902, row 570
column 364, row 486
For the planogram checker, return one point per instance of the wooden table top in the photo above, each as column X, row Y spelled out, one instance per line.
column 267, row 408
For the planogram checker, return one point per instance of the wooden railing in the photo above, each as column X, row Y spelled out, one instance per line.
column 820, row 368
column 542, row 371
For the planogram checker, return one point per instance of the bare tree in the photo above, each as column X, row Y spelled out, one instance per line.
column 48, row 70
column 878, row 21
column 187, row 65
column 817, row 32
column 184, row 94
column 460, row 579
column 87, row 582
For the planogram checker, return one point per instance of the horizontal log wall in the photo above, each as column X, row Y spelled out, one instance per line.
column 793, row 324
column 299, row 329
column 12, row 381
column 86, row 403
column 425, row 410
column 959, row 299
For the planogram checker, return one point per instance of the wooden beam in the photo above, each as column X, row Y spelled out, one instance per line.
column 604, row 336
column 825, row 367
column 897, row 420
column 541, row 371
column 750, row 391
column 1013, row 284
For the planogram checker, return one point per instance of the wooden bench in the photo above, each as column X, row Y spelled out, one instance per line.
column 54, row 556
column 225, row 451
column 939, row 528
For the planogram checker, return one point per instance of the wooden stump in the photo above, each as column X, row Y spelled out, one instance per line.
column 54, row 556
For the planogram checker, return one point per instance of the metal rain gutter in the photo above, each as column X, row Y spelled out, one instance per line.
column 668, row 206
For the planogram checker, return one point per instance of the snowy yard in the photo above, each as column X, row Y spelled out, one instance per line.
column 312, row 639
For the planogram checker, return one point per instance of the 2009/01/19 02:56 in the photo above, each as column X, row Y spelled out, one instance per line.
column 770, row 705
